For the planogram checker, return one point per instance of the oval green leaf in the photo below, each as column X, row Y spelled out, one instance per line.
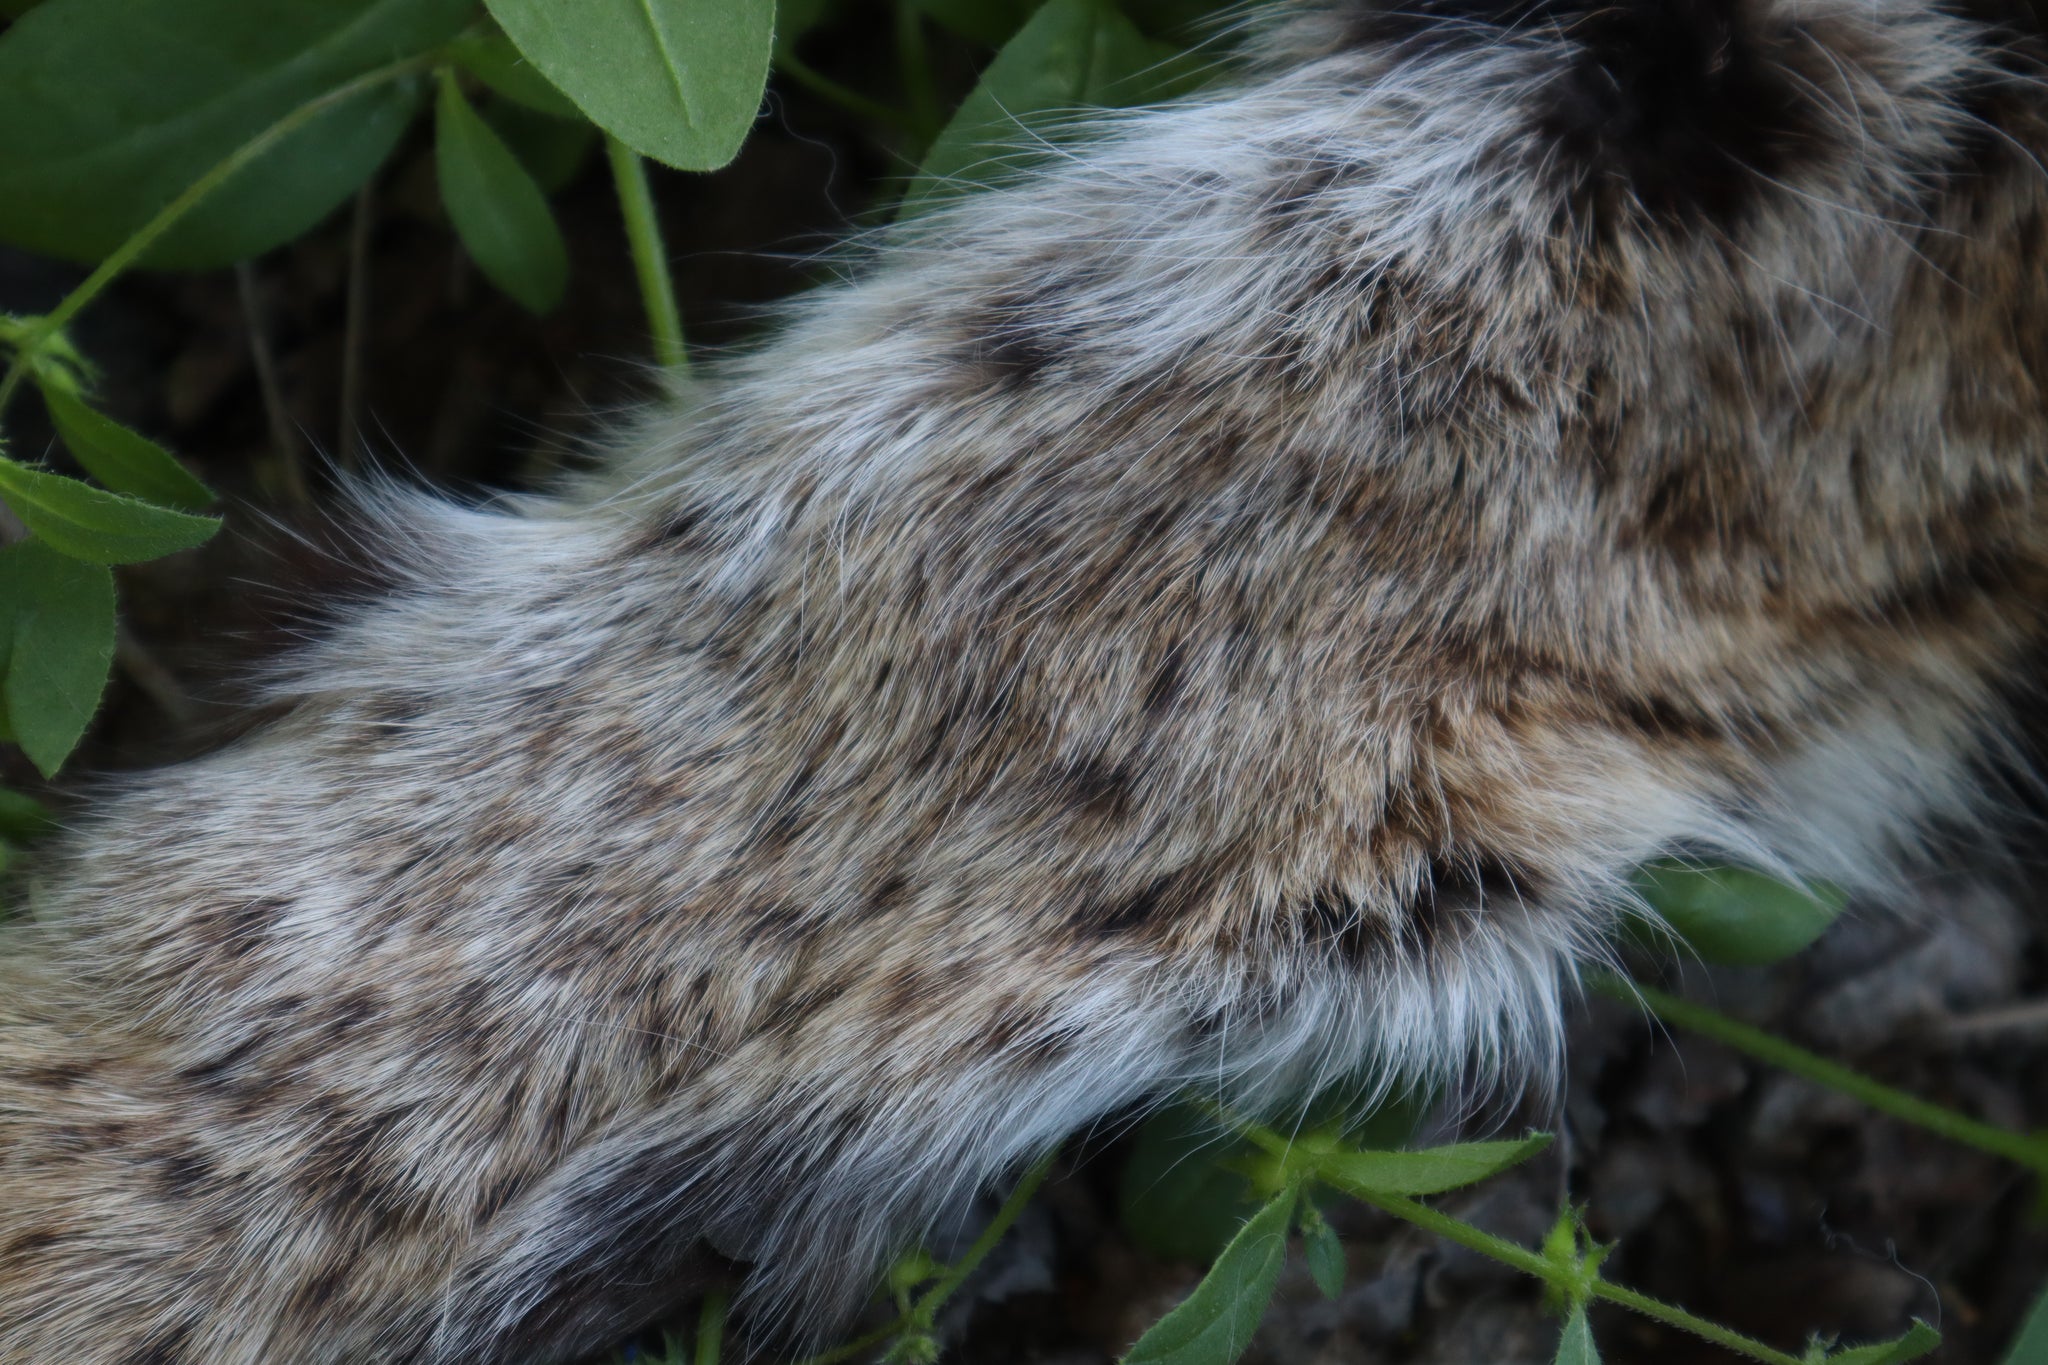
column 1575, row 1344
column 500, row 214
column 1325, row 1252
column 21, row 817
column 112, row 107
column 1734, row 916
column 1213, row 1325
column 98, row 527
column 1430, row 1171
column 491, row 58
column 1178, row 1194
column 63, row 642
column 123, row 460
column 1072, row 55
column 677, row 80
column 1919, row 1340
column 2031, row 1345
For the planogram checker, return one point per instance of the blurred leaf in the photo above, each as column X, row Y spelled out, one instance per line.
column 63, row 642
column 552, row 149
column 21, row 817
column 1215, row 1323
column 677, row 80
column 112, row 107
column 1735, row 916
column 1325, row 1251
column 14, row 9
column 492, row 59
column 795, row 18
column 1177, row 1195
column 1917, row 1342
column 1430, row 1171
column 1575, row 1345
column 500, row 214
column 1073, row 55
column 123, row 460
column 87, row 523
column 988, row 22
column 2030, row 1347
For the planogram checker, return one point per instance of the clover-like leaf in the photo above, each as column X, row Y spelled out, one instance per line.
column 1214, row 1324
column 113, row 107
column 1072, row 55
column 498, row 211
column 677, row 80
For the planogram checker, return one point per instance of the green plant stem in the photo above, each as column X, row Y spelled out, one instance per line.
column 847, row 98
column 915, row 61
column 1571, row 1285
column 650, row 253
column 925, row 1310
column 2031, row 1152
column 956, row 1274
column 144, row 237
column 710, row 1328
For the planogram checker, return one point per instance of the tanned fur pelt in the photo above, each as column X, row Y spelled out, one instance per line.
column 1226, row 611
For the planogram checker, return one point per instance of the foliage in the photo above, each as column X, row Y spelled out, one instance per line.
column 179, row 134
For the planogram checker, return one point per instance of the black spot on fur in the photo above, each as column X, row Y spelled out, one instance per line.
column 1018, row 334
column 1457, row 886
column 1093, row 790
column 1169, row 682
column 1686, row 108
column 181, row 1173
column 1340, row 926
column 1158, row 902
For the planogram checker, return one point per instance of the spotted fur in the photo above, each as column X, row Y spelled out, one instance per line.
column 1226, row 611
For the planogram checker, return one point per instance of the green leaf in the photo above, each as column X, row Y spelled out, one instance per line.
column 552, row 149
column 1430, row 1171
column 112, row 107
column 677, row 80
column 1072, row 55
column 1177, row 1195
column 1325, row 1251
column 21, row 817
column 1575, row 1345
column 492, row 59
column 1917, row 1342
column 123, row 460
column 1735, row 916
column 988, row 22
column 97, row 527
column 795, row 18
column 63, row 643
column 2031, row 1346
column 1215, row 1323
column 498, row 211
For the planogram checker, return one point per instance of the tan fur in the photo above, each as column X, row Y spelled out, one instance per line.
column 1227, row 611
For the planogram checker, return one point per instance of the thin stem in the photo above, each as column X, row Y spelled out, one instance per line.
column 2030, row 1152
column 915, row 60
column 956, row 1274
column 919, row 1317
column 650, row 256
column 275, row 411
column 126, row 254
column 1531, row 1263
column 847, row 98
column 355, row 329
column 710, row 1328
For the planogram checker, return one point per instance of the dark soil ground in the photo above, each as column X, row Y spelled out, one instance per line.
column 1750, row 1197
